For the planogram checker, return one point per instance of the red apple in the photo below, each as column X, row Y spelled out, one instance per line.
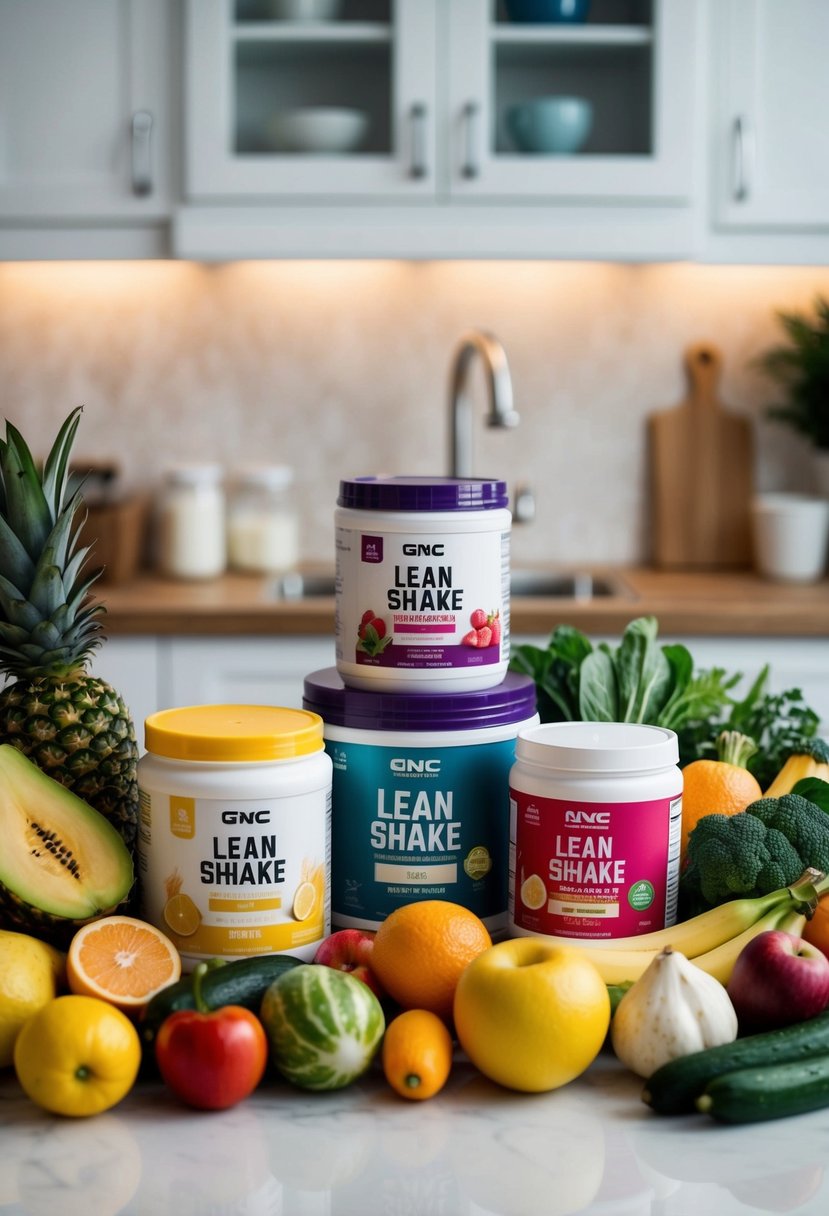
column 350, row 950
column 778, row 979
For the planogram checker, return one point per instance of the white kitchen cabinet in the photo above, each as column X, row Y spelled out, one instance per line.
column 243, row 68
column 768, row 132
column 437, row 175
column 634, row 62
column 85, row 118
column 241, row 671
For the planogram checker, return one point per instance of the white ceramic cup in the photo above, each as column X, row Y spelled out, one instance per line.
column 791, row 536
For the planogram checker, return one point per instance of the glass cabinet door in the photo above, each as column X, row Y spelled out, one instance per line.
column 310, row 97
column 600, row 107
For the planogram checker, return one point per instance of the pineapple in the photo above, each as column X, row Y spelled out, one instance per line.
column 72, row 725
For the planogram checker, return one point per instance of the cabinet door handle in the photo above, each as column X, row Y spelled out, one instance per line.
column 469, row 166
column 417, row 116
column 142, row 173
column 743, row 149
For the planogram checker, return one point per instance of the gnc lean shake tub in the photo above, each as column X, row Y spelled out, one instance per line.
column 420, row 795
column 235, row 830
column 422, row 583
column 595, row 830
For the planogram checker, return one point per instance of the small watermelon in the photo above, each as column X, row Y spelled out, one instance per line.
column 324, row 1026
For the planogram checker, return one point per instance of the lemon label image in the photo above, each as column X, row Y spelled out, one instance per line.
column 478, row 861
column 180, row 911
column 533, row 892
column 310, row 894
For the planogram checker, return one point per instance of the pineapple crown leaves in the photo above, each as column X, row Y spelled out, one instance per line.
column 46, row 622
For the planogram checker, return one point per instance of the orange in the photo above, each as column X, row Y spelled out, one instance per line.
column 417, row 1054
column 121, row 960
column 531, row 1015
column 718, row 787
column 816, row 930
column 421, row 949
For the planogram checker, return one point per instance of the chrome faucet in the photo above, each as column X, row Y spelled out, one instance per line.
column 499, row 387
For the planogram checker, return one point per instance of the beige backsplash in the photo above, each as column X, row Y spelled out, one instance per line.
column 342, row 368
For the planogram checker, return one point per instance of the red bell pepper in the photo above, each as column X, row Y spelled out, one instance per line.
column 211, row 1059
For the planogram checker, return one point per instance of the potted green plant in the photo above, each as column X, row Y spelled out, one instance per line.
column 801, row 367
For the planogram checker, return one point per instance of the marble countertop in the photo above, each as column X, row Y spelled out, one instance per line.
column 474, row 1150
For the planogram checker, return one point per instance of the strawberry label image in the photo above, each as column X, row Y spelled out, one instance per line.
column 485, row 631
column 372, row 638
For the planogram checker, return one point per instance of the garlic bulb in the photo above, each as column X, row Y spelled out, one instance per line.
column 674, row 1008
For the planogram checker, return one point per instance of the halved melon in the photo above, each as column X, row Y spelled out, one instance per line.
column 62, row 863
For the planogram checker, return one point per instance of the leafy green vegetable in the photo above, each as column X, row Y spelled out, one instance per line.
column 641, row 681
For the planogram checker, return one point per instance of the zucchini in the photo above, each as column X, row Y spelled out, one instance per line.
column 752, row 1095
column 241, row 982
column 674, row 1088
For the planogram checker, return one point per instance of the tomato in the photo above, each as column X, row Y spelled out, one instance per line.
column 211, row 1059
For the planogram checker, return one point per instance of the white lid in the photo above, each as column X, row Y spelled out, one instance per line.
column 194, row 474
column 266, row 476
column 598, row 747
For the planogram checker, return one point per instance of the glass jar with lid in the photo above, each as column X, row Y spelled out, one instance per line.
column 191, row 522
column 262, row 524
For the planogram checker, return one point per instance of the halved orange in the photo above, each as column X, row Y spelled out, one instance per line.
column 122, row 960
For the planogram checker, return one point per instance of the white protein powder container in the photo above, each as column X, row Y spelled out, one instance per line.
column 595, row 830
column 422, row 583
column 234, row 845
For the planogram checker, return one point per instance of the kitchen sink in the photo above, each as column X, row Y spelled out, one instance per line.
column 533, row 584
column 563, row 585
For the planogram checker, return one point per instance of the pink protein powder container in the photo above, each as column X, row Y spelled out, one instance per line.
column 595, row 830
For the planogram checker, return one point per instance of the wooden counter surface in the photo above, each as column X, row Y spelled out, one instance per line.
column 738, row 604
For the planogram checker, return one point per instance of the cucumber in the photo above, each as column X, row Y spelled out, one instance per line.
column 752, row 1095
column 674, row 1088
column 242, row 982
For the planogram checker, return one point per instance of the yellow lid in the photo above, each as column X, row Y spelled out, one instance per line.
column 233, row 733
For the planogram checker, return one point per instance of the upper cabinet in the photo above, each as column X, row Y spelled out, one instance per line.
column 769, row 134
column 452, row 112
column 278, row 108
column 623, row 128
column 85, row 115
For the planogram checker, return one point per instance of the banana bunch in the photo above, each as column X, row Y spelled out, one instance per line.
column 711, row 940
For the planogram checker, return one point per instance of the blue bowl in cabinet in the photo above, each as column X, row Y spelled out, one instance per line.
column 543, row 12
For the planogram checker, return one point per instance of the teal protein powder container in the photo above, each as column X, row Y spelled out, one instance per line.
column 420, row 797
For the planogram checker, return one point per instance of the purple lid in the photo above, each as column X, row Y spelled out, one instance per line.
column 423, row 494
column 510, row 702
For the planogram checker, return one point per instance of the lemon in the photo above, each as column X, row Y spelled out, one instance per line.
column 305, row 900
column 78, row 1055
column 533, row 893
column 30, row 972
column 531, row 1015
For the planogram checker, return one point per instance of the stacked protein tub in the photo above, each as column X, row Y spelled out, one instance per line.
column 421, row 713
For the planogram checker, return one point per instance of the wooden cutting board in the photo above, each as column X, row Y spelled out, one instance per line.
column 701, row 463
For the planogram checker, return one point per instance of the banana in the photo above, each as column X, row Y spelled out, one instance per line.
column 701, row 933
column 616, row 967
column 720, row 961
column 711, row 940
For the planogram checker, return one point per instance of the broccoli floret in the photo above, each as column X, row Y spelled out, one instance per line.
column 765, row 847
column 803, row 823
